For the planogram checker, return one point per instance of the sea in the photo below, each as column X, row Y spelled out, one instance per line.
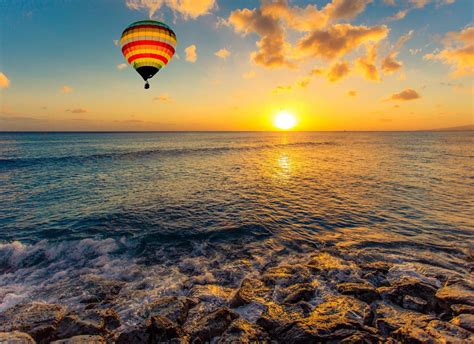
column 160, row 212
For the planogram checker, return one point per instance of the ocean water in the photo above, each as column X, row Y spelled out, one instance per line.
column 161, row 212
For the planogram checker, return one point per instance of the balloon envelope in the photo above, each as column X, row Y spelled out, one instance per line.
column 148, row 45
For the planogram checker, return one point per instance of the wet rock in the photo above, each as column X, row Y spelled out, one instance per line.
column 286, row 275
column 81, row 340
column 299, row 292
column 211, row 293
column 242, row 331
column 16, row 337
column 172, row 307
column 336, row 318
column 332, row 267
column 414, row 303
column 251, row 290
column 211, row 325
column 100, row 290
column 462, row 309
column 39, row 320
column 362, row 291
column 136, row 335
column 389, row 318
column 365, row 338
column 435, row 331
column 465, row 321
column 163, row 330
column 412, row 287
column 457, row 293
column 72, row 325
column 107, row 318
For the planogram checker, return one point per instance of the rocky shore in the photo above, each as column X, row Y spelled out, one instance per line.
column 326, row 297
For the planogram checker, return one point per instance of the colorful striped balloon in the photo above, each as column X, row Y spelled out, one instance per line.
column 148, row 45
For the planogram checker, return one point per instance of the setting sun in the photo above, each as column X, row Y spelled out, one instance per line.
column 285, row 120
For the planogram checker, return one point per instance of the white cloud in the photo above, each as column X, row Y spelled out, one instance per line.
column 4, row 81
column 122, row 66
column 191, row 54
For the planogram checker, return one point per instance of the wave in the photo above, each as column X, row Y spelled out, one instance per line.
column 26, row 162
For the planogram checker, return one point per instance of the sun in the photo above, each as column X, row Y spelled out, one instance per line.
column 285, row 120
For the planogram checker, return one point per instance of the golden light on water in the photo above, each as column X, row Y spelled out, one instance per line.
column 285, row 120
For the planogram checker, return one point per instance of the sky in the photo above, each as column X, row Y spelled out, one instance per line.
column 333, row 64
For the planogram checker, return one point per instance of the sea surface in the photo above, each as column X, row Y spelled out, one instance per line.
column 160, row 212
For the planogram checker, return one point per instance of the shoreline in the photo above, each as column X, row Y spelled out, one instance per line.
column 326, row 295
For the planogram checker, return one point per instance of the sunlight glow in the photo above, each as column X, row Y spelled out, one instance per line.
column 285, row 120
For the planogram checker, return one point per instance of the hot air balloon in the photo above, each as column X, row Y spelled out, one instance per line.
column 148, row 45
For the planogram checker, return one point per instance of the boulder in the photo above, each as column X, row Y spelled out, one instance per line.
column 251, row 290
column 107, row 318
column 16, row 337
column 457, row 293
column 39, row 320
column 337, row 318
column 211, row 325
column 286, row 275
column 465, row 321
column 136, row 335
column 462, row 309
column 435, row 331
column 71, row 325
column 362, row 291
column 163, row 330
column 175, row 308
column 100, row 290
column 299, row 292
column 389, row 318
column 414, row 303
column 413, row 287
column 81, row 340
column 242, row 331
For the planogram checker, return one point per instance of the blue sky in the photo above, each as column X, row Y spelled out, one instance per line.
column 46, row 45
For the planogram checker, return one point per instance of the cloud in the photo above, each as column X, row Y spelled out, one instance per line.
column 4, row 81
column 273, row 20
column 116, row 42
column 339, row 40
column 352, row 93
column 223, row 53
column 389, row 2
column 405, row 95
column 346, row 9
column 366, row 64
column 416, row 4
column 415, row 51
column 165, row 98
column 187, row 8
column 249, row 75
column 191, row 54
column 282, row 89
column 121, row 66
column 316, row 71
column 78, row 110
column 304, row 82
column 338, row 71
column 66, row 89
column 389, row 62
column 272, row 48
column 458, row 52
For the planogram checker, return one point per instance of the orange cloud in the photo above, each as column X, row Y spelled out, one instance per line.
column 407, row 94
column 390, row 63
column 458, row 52
column 4, row 81
column 78, row 110
column 165, row 98
column 191, row 53
column 66, row 89
column 366, row 64
column 222, row 53
column 339, row 40
column 187, row 8
column 352, row 93
column 282, row 89
column 338, row 71
column 346, row 9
